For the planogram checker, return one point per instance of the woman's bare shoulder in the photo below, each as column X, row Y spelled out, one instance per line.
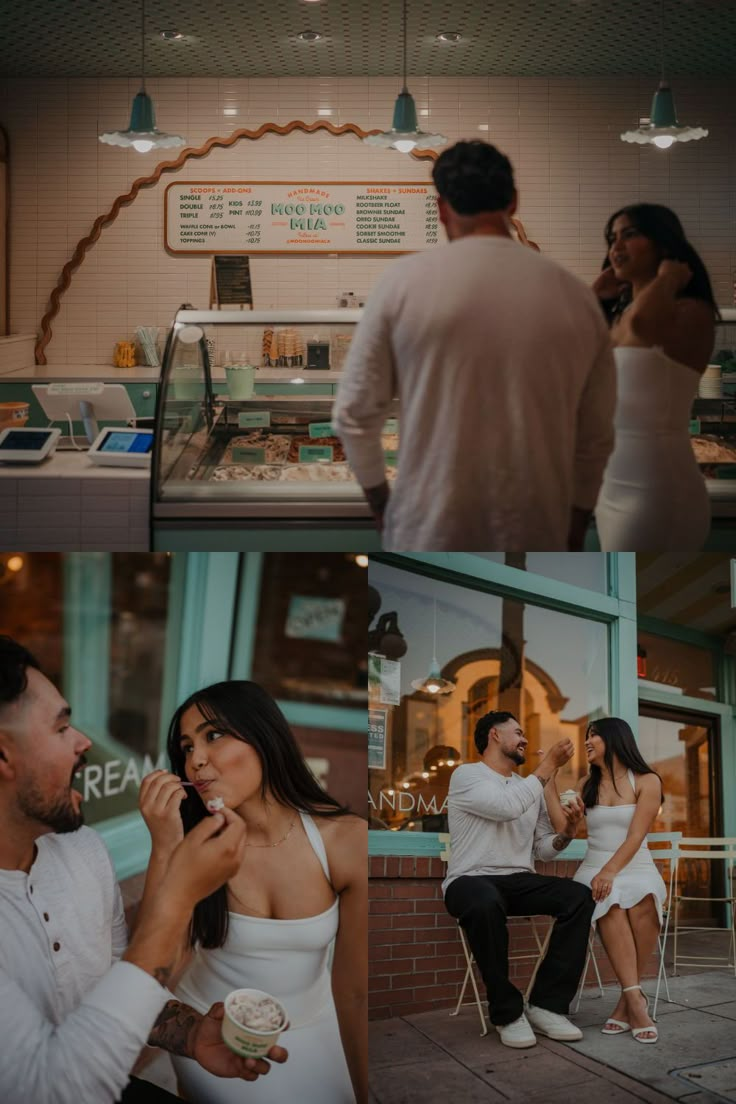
column 647, row 784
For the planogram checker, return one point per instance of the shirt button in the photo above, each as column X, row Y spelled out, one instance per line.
column 46, row 917
column 30, row 889
column 57, row 946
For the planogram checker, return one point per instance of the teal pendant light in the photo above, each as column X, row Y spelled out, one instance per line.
column 434, row 683
column 405, row 134
column 662, row 128
column 142, row 134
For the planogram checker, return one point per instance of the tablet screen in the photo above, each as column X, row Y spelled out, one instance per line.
column 127, row 442
column 29, row 442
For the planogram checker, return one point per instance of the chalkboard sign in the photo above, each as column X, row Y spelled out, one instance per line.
column 231, row 281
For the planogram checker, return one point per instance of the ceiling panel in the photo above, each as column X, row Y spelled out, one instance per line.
column 695, row 594
column 575, row 38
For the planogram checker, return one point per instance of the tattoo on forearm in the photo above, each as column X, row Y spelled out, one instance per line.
column 560, row 842
column 171, row 1030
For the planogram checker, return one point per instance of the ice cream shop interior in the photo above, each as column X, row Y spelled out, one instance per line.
column 197, row 201
column 559, row 641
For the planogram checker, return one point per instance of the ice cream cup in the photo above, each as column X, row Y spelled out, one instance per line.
column 567, row 797
column 250, row 1042
column 240, row 380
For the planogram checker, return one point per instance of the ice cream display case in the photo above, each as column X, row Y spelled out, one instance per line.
column 244, row 448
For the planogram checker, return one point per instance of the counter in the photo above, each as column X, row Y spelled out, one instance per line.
column 67, row 503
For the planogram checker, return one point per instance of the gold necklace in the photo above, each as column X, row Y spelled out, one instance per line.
column 279, row 841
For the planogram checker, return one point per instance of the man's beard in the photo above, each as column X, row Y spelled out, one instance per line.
column 59, row 815
column 517, row 756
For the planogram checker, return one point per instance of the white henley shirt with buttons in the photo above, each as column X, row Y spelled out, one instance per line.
column 502, row 364
column 496, row 823
column 73, row 1018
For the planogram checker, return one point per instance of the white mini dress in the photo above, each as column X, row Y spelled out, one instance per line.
column 290, row 960
column 608, row 826
column 653, row 497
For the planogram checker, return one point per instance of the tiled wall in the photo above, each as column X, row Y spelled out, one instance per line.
column 562, row 136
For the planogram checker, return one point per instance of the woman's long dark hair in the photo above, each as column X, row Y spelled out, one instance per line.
column 619, row 740
column 664, row 229
column 245, row 710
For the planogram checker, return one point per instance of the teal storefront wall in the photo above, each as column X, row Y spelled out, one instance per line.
column 210, row 633
column 617, row 609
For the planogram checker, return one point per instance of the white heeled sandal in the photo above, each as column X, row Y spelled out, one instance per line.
column 621, row 1027
column 637, row 1032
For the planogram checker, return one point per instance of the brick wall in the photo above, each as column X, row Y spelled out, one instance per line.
column 416, row 961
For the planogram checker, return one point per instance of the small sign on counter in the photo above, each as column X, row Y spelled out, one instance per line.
column 309, row 453
column 321, row 429
column 254, row 419
column 249, row 455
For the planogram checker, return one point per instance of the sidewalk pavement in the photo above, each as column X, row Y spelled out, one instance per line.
column 433, row 1058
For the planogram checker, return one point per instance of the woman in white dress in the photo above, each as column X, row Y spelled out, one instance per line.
column 622, row 796
column 658, row 299
column 293, row 920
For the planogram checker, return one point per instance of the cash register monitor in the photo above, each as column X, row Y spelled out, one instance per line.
column 85, row 402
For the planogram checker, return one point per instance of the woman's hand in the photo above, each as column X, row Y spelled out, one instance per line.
column 601, row 885
column 677, row 272
column 574, row 811
column 161, row 795
column 607, row 285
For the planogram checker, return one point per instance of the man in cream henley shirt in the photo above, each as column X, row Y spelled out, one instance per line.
column 501, row 363
column 497, row 825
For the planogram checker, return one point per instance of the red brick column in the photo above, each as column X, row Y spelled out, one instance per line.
column 415, row 958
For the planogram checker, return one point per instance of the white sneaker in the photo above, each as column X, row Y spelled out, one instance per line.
column 553, row 1025
column 517, row 1034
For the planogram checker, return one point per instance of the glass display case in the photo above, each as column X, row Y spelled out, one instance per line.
column 713, row 418
column 243, row 427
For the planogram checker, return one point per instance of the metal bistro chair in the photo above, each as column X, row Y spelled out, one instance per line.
column 711, row 849
column 664, row 854
column 537, row 955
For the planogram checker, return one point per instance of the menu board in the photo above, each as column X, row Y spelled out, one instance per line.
column 232, row 280
column 286, row 217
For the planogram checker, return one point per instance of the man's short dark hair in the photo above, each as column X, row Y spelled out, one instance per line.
column 474, row 177
column 486, row 723
column 14, row 662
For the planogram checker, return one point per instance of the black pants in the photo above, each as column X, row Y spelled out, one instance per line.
column 482, row 903
column 143, row 1092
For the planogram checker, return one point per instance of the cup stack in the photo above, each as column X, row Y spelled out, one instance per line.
column 710, row 386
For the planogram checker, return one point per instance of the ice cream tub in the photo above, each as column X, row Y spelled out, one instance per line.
column 240, row 380
column 568, row 797
column 253, row 1022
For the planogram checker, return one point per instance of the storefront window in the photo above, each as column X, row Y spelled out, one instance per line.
column 682, row 749
column 96, row 622
column 675, row 666
column 583, row 569
column 310, row 632
column 548, row 668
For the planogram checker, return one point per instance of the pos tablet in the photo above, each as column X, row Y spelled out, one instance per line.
column 26, row 445
column 122, row 448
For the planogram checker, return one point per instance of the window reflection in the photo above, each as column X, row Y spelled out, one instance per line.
column 548, row 668
column 583, row 569
column 96, row 622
